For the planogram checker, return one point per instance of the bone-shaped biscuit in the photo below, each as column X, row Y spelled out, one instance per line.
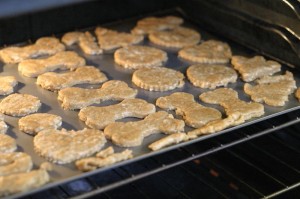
column 272, row 90
column 152, row 24
column 237, row 111
column 129, row 134
column 110, row 39
column 14, row 162
column 103, row 158
column 228, row 98
column 62, row 146
column 43, row 46
column 255, row 67
column 7, row 84
column 21, row 182
column 86, row 42
column 100, row 117
column 78, row 98
column 193, row 113
column 62, row 60
column 85, row 74
column 71, row 38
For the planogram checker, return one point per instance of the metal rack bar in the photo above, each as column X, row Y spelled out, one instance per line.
column 182, row 161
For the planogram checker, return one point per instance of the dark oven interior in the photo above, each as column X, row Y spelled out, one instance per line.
column 258, row 160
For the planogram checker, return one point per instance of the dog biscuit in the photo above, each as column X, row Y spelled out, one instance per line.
column 92, row 163
column 211, row 76
column 7, row 84
column 62, row 60
column 193, row 113
column 88, row 44
column 130, row 134
column 14, row 162
column 43, row 46
column 62, row 146
column 168, row 140
column 71, row 38
column 78, row 98
column 7, row 144
column 177, row 38
column 85, row 74
column 237, row 111
column 110, row 39
column 19, row 104
column 34, row 123
column 158, row 79
column 208, row 52
column 21, row 182
column 100, row 117
column 152, row 24
column 135, row 57
column 255, row 67
column 272, row 90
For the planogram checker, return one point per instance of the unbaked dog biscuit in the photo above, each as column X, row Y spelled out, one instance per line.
column 92, row 163
column 211, row 76
column 168, row 140
column 158, row 79
column 208, row 52
column 85, row 74
column 14, row 162
column 21, row 182
column 237, row 111
column 42, row 46
column 7, row 144
column 19, row 104
column 62, row 60
column 62, row 146
column 78, row 98
column 7, row 84
column 255, row 67
column 193, row 113
column 135, row 57
column 110, row 39
column 272, row 90
column 88, row 44
column 71, row 38
column 34, row 123
column 130, row 134
column 177, row 38
column 152, row 24
column 100, row 117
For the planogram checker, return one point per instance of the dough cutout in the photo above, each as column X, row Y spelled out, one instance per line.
column 130, row 134
column 62, row 60
column 42, row 46
column 82, row 75
column 100, row 117
column 78, row 98
column 193, row 113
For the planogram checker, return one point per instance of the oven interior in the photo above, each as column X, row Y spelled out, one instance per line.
column 255, row 161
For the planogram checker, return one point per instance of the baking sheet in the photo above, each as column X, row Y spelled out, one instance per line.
column 105, row 62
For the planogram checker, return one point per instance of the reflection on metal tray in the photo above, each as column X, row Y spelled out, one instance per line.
column 105, row 62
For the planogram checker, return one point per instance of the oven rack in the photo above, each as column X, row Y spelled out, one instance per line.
column 211, row 157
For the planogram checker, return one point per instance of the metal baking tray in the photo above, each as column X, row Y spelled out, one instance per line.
column 105, row 62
